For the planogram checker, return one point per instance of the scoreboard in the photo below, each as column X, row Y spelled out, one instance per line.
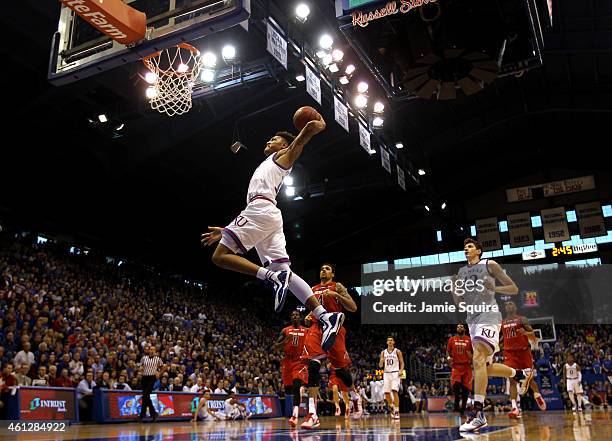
column 558, row 252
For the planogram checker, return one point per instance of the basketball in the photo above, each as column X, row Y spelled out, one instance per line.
column 303, row 115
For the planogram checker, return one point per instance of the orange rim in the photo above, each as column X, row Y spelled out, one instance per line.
column 147, row 60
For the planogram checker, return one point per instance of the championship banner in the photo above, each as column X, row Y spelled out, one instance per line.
column 276, row 45
column 401, row 178
column 590, row 220
column 313, row 84
column 520, row 230
column 341, row 113
column 112, row 406
column 487, row 231
column 551, row 189
column 385, row 159
column 364, row 138
column 554, row 224
column 47, row 404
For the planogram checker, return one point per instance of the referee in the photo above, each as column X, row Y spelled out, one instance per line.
column 150, row 365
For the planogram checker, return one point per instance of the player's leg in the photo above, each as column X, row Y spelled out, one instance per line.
column 395, row 404
column 515, row 412
column 570, row 392
column 465, row 393
column 273, row 254
column 336, row 396
column 314, row 381
column 533, row 384
column 347, row 403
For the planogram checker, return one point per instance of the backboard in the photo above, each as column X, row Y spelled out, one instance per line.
column 79, row 50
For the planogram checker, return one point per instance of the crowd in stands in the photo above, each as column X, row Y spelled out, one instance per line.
column 78, row 321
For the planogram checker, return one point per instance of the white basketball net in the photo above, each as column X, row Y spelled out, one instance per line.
column 174, row 72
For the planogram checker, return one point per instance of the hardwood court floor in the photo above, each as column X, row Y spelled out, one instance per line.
column 539, row 426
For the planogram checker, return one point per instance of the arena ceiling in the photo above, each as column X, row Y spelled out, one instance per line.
column 153, row 189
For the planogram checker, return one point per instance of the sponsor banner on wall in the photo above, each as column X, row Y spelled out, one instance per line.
column 520, row 230
column 590, row 220
column 47, row 404
column 554, row 225
column 487, row 231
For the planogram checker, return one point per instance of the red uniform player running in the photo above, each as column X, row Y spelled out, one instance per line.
column 459, row 355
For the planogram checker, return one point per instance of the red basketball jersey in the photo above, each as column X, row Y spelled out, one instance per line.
column 331, row 304
column 514, row 340
column 295, row 344
column 459, row 348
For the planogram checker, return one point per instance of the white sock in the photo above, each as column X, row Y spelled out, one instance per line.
column 263, row 273
column 318, row 311
column 299, row 288
column 296, row 411
column 514, row 406
column 312, row 408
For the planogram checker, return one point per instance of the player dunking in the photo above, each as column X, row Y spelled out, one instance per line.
column 260, row 226
column 459, row 356
column 572, row 377
column 294, row 370
column 392, row 360
column 334, row 297
column 517, row 354
column 484, row 324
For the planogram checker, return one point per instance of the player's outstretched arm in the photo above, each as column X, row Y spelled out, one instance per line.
column 201, row 404
column 507, row 287
column 280, row 341
column 293, row 152
column 381, row 362
column 213, row 236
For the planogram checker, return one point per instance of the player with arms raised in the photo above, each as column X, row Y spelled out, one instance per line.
column 392, row 360
column 517, row 353
column 334, row 297
column 459, row 356
column 484, row 323
column 260, row 226
column 293, row 369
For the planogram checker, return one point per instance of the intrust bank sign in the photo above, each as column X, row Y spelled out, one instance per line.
column 395, row 7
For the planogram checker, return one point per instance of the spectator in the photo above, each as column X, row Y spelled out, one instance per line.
column 25, row 356
column 64, row 380
column 42, row 379
column 22, row 375
column 7, row 383
column 121, row 384
column 85, row 396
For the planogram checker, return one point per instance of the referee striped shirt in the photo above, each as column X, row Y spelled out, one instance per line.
column 150, row 365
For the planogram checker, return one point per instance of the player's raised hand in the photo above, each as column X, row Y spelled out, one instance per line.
column 213, row 236
column 316, row 126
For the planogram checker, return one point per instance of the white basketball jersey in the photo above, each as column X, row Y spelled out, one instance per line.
column 391, row 361
column 267, row 179
column 571, row 371
column 476, row 294
column 229, row 407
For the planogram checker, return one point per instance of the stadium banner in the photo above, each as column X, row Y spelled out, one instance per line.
column 487, row 231
column 46, row 404
column 590, row 220
column 520, row 230
column 451, row 293
column 313, row 84
column 548, row 386
column 551, row 189
column 119, row 405
column 341, row 113
column 554, row 225
column 276, row 44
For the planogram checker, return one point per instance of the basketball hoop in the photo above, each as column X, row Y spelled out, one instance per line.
column 175, row 70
